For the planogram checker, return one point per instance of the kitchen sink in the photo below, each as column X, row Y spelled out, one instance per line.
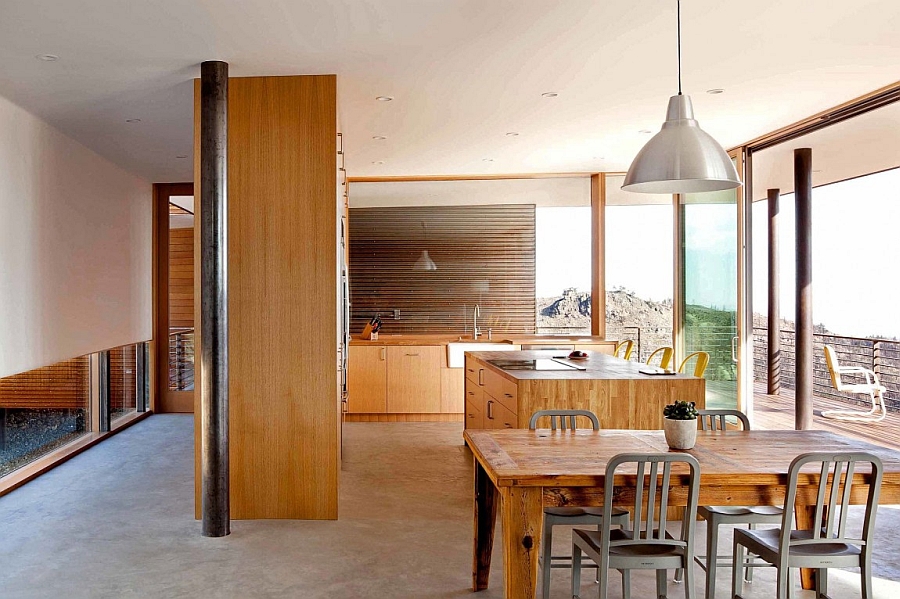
column 456, row 350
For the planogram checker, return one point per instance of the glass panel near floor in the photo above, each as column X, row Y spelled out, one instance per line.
column 42, row 410
column 181, row 293
column 123, row 378
column 709, row 271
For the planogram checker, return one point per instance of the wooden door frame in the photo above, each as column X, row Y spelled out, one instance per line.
column 163, row 400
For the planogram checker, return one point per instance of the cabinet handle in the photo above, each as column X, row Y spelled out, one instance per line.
column 408, row 354
column 490, row 410
column 507, row 395
column 507, row 425
column 481, row 376
column 383, row 353
column 471, row 393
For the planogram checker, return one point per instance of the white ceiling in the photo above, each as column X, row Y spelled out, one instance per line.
column 463, row 72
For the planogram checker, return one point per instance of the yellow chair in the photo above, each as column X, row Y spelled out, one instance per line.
column 625, row 347
column 700, row 366
column 872, row 387
column 666, row 359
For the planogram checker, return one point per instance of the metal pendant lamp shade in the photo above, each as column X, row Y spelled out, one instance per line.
column 424, row 262
column 681, row 158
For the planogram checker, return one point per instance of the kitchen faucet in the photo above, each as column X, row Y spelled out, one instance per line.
column 475, row 316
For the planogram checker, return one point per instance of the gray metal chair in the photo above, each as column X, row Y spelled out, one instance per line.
column 717, row 515
column 827, row 544
column 648, row 546
column 569, row 516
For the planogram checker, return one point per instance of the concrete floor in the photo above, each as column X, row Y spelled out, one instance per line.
column 117, row 521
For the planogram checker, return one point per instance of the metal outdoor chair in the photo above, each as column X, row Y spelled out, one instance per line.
column 648, row 545
column 700, row 365
column 717, row 515
column 827, row 544
column 623, row 349
column 568, row 516
column 872, row 387
column 667, row 353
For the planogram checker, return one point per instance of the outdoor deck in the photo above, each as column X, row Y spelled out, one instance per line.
column 776, row 412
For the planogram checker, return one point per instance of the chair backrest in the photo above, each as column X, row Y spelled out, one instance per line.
column 559, row 419
column 624, row 348
column 834, row 487
column 834, row 367
column 717, row 420
column 652, row 490
column 699, row 366
column 665, row 360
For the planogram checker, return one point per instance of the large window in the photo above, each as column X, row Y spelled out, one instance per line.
column 563, row 269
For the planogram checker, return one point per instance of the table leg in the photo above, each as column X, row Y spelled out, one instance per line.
column 803, row 517
column 522, row 513
column 485, row 516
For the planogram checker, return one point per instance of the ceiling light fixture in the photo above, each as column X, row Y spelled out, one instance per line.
column 716, row 90
column 512, row 134
column 424, row 263
column 384, row 98
column 645, row 131
column 181, row 157
column 487, row 159
column 681, row 158
column 132, row 120
column 47, row 57
column 378, row 162
column 379, row 137
column 549, row 95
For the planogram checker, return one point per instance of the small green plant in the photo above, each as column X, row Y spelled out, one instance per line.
column 681, row 410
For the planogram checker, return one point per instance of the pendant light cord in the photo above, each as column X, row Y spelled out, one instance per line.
column 679, row 47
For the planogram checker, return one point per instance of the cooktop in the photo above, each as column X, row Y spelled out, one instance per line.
column 539, row 364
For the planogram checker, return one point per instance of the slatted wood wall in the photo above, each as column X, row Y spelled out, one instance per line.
column 122, row 379
column 181, row 278
column 62, row 385
column 484, row 255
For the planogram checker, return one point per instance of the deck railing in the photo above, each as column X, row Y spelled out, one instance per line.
column 181, row 359
column 880, row 355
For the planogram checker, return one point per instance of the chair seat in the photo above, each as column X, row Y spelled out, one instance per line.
column 766, row 542
column 737, row 511
column 576, row 512
column 592, row 537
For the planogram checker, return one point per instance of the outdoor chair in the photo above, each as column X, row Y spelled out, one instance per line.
column 623, row 349
column 699, row 366
column 666, row 354
column 827, row 544
column 568, row 516
column 717, row 515
column 872, row 387
column 648, row 546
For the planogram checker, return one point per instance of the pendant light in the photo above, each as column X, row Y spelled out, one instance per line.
column 424, row 263
column 682, row 157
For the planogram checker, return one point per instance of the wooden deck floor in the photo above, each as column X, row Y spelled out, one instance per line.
column 777, row 413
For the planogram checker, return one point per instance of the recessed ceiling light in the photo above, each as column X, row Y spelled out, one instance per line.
column 487, row 159
column 817, row 170
column 47, row 57
column 645, row 131
column 384, row 98
column 181, row 157
column 715, row 90
column 549, row 95
column 512, row 134
column 379, row 137
column 378, row 162
column 132, row 120
column 599, row 158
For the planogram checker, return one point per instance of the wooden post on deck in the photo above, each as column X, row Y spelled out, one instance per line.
column 803, row 344
column 774, row 326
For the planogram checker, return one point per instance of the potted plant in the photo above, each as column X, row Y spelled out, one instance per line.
column 680, row 424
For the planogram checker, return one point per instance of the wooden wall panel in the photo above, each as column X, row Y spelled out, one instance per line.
column 62, row 385
column 484, row 255
column 282, row 285
column 181, row 278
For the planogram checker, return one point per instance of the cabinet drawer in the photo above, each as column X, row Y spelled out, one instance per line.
column 509, row 392
column 472, row 368
column 474, row 395
column 501, row 389
column 474, row 417
column 498, row 415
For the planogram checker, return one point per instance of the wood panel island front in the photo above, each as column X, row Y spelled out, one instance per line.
column 614, row 389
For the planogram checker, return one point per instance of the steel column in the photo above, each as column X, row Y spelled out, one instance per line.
column 803, row 317
column 774, row 326
column 215, row 506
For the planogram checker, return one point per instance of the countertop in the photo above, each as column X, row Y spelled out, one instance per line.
column 444, row 339
column 597, row 366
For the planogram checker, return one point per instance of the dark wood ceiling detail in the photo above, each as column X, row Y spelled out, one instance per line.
column 484, row 255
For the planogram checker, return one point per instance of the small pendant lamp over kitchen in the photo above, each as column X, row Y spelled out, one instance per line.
column 682, row 157
column 424, row 263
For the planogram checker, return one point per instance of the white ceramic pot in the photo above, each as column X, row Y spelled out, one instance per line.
column 680, row 434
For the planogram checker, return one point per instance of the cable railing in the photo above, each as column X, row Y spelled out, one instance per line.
column 181, row 359
column 879, row 355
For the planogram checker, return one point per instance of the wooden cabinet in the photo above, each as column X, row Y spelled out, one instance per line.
column 367, row 380
column 414, row 379
column 491, row 399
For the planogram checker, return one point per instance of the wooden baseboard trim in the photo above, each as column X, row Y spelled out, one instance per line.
column 403, row 417
column 14, row 480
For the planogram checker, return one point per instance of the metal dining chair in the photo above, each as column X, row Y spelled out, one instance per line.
column 665, row 359
column 623, row 349
column 827, row 544
column 648, row 545
column 554, row 516
column 717, row 515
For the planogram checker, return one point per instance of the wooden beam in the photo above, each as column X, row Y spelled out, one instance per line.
column 598, row 254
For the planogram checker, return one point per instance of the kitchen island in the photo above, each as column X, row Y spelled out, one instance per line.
column 504, row 388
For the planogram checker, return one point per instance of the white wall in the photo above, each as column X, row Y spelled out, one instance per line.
column 75, row 247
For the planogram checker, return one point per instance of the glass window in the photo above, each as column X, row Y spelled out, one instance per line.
column 563, row 270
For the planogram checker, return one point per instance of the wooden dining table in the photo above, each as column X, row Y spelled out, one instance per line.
column 523, row 471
